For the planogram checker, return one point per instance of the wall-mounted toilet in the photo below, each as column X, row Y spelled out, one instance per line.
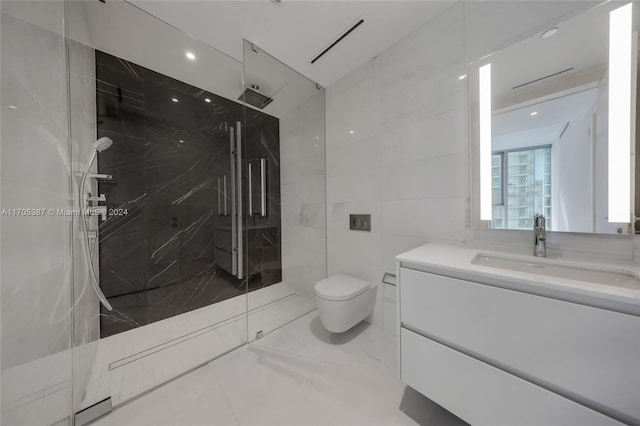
column 344, row 301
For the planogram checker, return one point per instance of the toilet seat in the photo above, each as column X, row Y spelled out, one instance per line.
column 340, row 287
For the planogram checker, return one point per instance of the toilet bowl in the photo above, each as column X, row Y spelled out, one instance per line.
column 344, row 301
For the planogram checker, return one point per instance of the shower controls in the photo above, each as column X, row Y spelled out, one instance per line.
column 360, row 222
column 87, row 201
column 99, row 211
column 101, row 177
column 102, row 197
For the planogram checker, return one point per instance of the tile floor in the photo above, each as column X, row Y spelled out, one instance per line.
column 128, row 364
column 131, row 363
column 297, row 375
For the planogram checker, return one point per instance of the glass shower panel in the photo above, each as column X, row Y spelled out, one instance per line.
column 35, row 234
column 160, row 206
column 285, row 190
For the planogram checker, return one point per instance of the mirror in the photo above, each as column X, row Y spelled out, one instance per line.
column 549, row 115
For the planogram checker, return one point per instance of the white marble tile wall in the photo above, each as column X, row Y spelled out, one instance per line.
column 36, row 275
column 303, row 207
column 397, row 146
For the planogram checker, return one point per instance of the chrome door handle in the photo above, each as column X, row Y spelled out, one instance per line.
column 219, row 195
column 224, row 193
column 240, row 216
column 250, row 197
column 263, row 187
column 234, row 224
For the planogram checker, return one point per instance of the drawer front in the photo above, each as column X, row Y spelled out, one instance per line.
column 481, row 394
column 587, row 351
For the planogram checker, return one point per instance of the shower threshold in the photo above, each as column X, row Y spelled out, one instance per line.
column 131, row 363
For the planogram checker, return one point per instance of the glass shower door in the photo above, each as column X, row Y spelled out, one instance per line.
column 284, row 149
column 164, row 219
column 35, row 234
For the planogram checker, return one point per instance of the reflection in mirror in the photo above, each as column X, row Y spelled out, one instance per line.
column 549, row 115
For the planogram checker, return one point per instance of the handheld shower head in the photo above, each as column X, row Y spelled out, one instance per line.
column 102, row 144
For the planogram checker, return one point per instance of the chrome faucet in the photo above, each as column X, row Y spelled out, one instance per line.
column 540, row 236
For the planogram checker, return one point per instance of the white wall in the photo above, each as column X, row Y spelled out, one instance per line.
column 408, row 161
column 572, row 187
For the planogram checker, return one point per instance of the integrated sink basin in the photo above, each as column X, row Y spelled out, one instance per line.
column 611, row 278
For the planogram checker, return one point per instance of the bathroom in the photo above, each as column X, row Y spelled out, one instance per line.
column 305, row 212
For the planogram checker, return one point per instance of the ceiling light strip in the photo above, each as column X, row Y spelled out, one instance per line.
column 542, row 78
column 338, row 40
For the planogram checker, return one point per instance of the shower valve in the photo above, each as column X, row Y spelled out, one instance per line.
column 89, row 200
column 102, row 197
column 98, row 211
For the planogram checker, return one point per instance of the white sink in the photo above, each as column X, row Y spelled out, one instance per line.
column 611, row 278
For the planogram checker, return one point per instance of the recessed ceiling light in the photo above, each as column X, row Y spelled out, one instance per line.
column 351, row 132
column 181, row 141
column 315, row 144
column 317, row 137
column 13, row 107
column 207, row 100
column 174, row 99
column 190, row 56
column 534, row 113
column 550, row 32
column 462, row 77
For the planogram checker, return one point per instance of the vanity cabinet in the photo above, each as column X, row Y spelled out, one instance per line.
column 499, row 356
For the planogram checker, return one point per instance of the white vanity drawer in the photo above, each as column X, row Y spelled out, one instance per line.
column 481, row 394
column 572, row 348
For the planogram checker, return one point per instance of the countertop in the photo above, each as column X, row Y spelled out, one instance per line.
column 456, row 261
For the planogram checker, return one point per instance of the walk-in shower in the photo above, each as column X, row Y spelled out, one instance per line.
column 181, row 222
column 180, row 171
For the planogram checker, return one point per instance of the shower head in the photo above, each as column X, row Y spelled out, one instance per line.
column 255, row 98
column 102, row 144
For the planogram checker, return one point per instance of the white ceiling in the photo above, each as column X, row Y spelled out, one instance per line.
column 127, row 32
column 517, row 128
column 581, row 43
column 556, row 110
column 296, row 31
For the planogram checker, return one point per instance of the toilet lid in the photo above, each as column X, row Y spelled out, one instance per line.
column 340, row 287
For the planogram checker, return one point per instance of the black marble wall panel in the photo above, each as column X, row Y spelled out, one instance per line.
column 160, row 259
